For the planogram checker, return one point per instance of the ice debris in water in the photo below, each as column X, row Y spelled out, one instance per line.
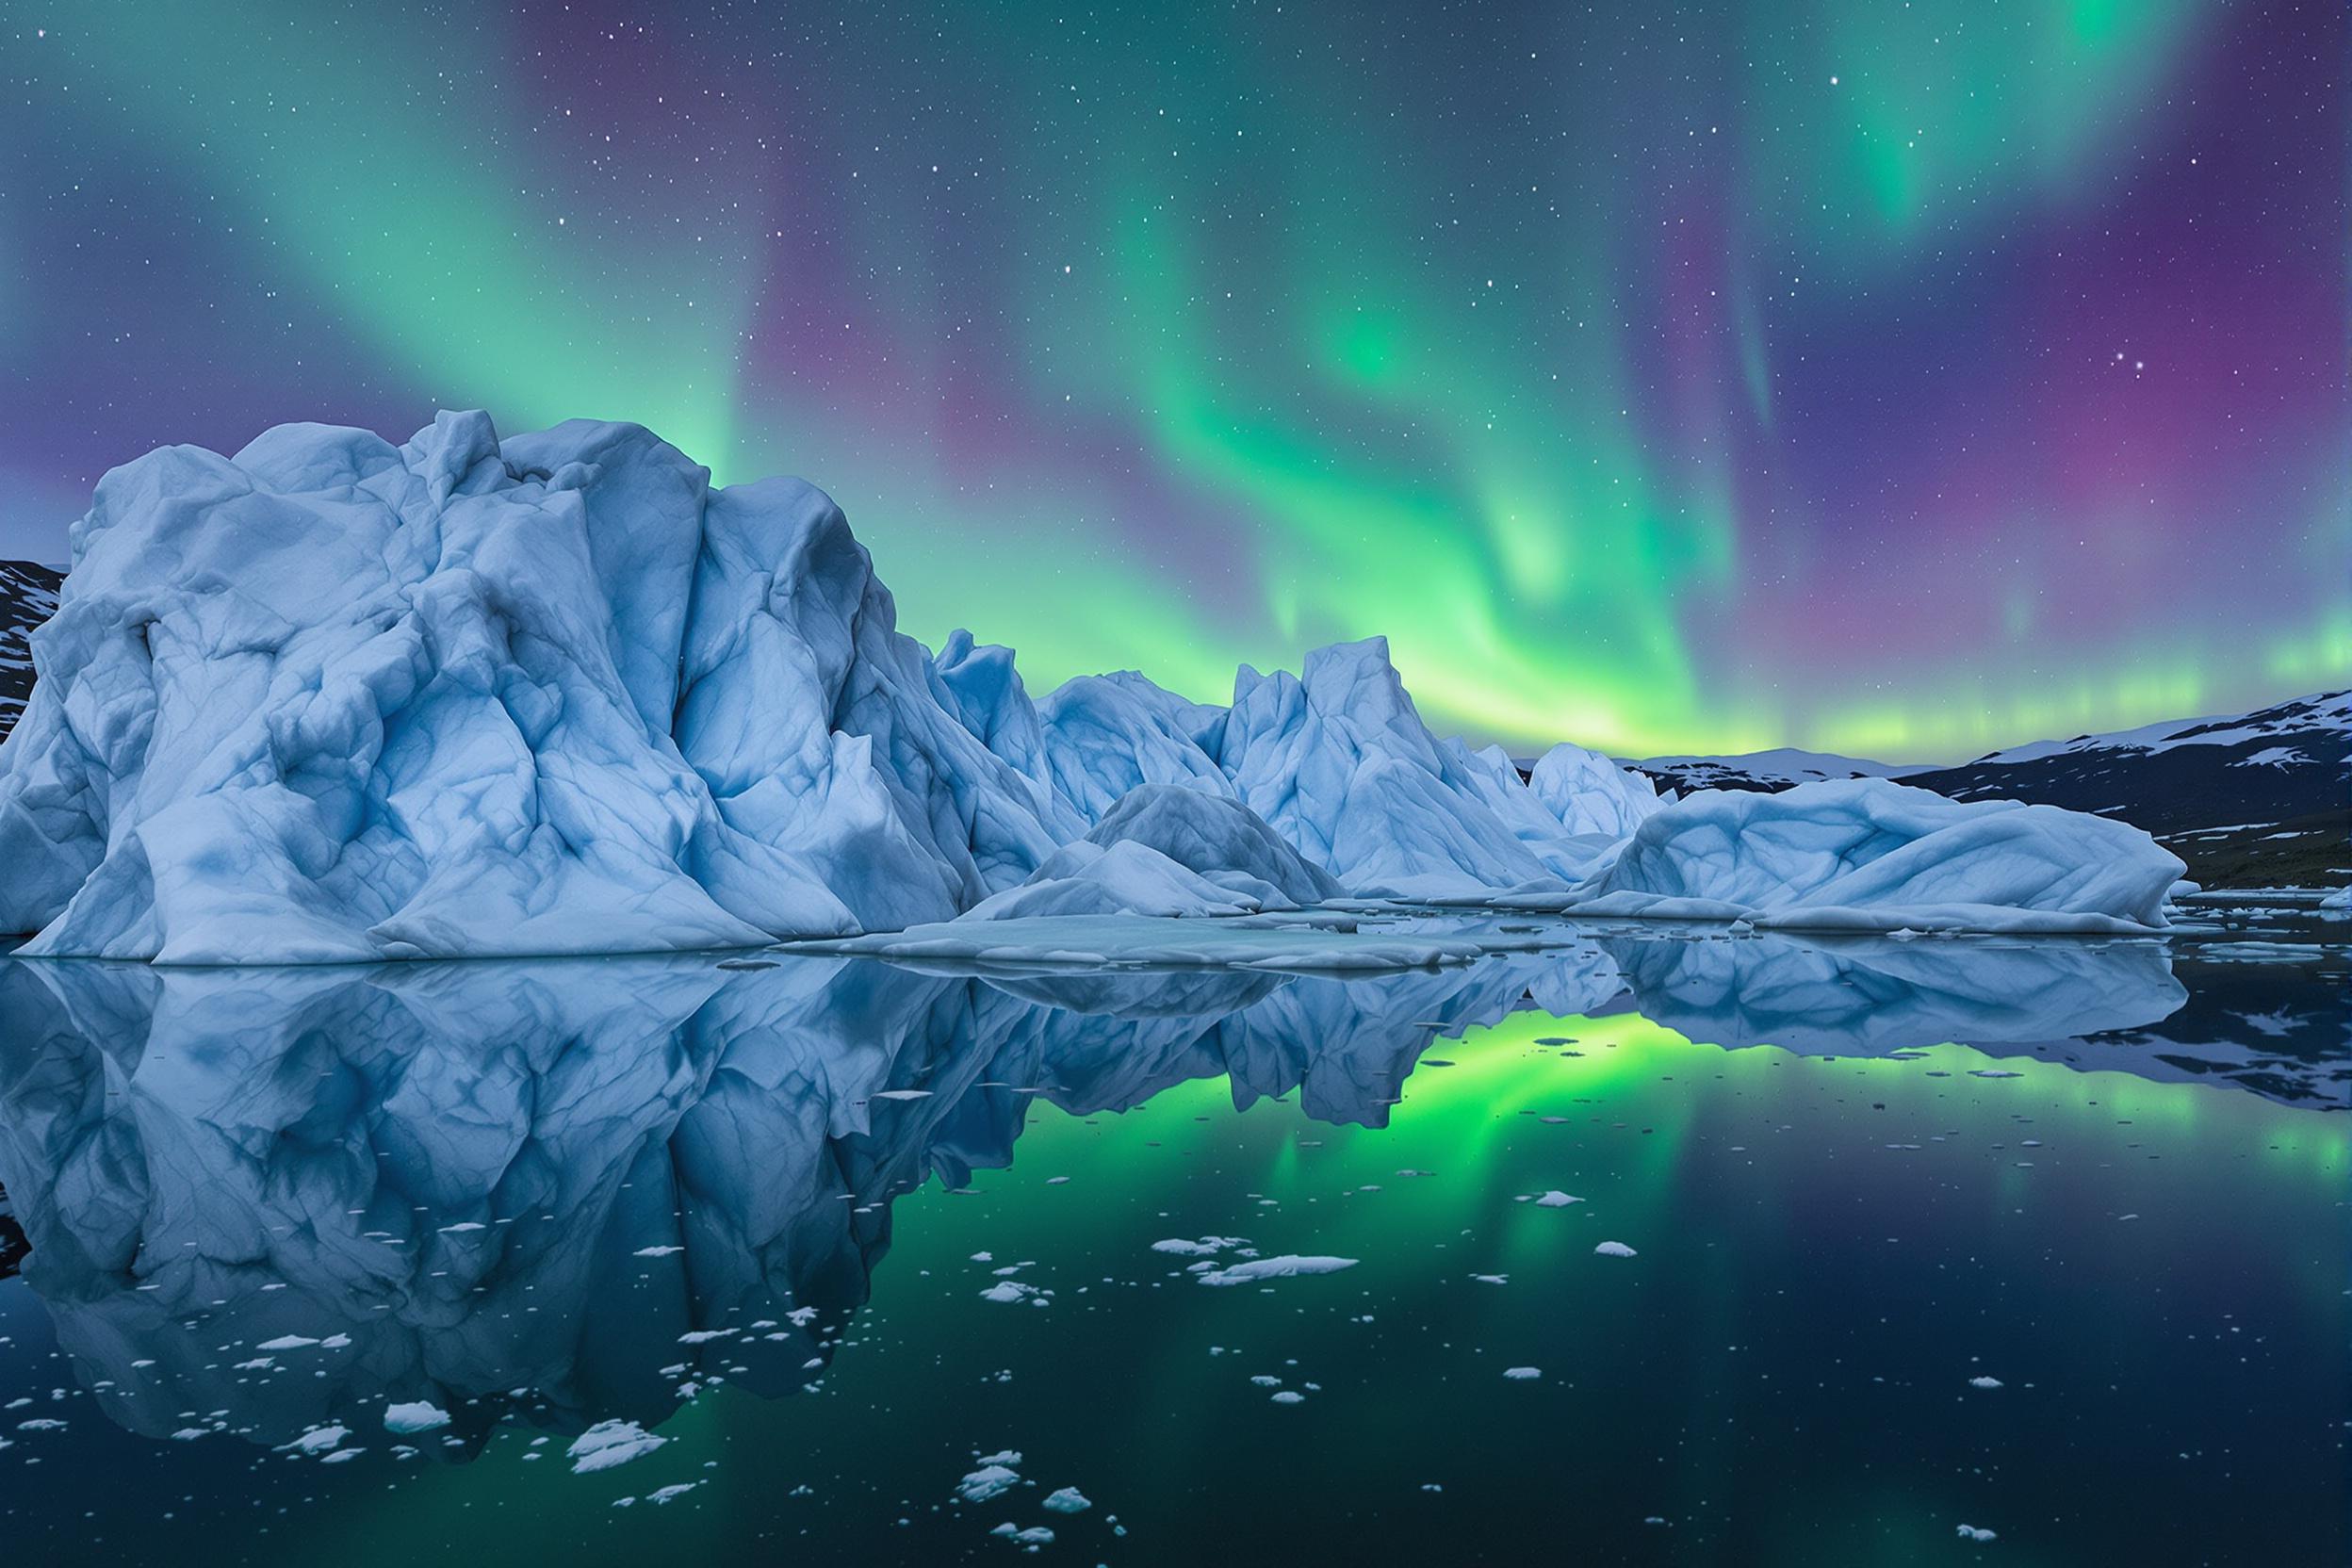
column 1522, row 1373
column 993, row 1477
column 1006, row 1292
column 416, row 1416
column 1970, row 1532
column 1254, row 1269
column 1035, row 1536
column 609, row 1443
column 1068, row 1500
column 1614, row 1250
column 1984, row 1382
column 1555, row 1200
column 1202, row 1248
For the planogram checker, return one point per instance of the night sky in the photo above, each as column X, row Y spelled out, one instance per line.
column 1897, row 379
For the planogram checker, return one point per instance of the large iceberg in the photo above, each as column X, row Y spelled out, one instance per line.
column 334, row 700
column 1867, row 854
column 337, row 700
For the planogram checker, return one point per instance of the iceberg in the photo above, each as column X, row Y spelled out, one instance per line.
column 335, row 700
column 1871, row 855
column 1339, row 762
column 1590, row 793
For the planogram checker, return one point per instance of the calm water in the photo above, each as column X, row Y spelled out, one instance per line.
column 2045, row 1239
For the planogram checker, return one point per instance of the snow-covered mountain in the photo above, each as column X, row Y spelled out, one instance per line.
column 29, row 595
column 2247, row 799
column 335, row 700
column 1768, row 771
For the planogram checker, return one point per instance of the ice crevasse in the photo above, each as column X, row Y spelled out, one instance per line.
column 336, row 699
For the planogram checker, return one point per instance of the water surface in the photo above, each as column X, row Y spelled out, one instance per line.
column 2041, row 1238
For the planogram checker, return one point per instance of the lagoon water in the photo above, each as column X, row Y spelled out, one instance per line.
column 785, row 1259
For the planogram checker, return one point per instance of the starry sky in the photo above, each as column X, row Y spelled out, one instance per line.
column 1898, row 379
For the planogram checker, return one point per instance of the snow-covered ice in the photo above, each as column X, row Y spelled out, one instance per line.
column 1871, row 855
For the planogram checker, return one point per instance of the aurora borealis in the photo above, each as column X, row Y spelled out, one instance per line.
column 1900, row 380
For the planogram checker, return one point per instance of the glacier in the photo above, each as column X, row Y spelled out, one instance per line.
column 333, row 700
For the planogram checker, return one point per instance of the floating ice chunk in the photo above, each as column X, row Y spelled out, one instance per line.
column 1867, row 854
column 1289, row 1396
column 670, row 1493
column 286, row 1342
column 1984, row 1382
column 656, row 1251
column 1008, row 1293
column 319, row 1440
column 1522, row 1373
column 1284, row 1267
column 416, row 1416
column 1199, row 1248
column 1555, row 1200
column 1068, row 1500
column 1035, row 1536
column 1614, row 1250
column 1970, row 1532
column 994, row 1477
column 609, row 1443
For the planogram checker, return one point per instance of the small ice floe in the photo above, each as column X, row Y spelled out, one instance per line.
column 1522, row 1373
column 1614, row 1250
column 1993, row 1072
column 670, row 1493
column 656, row 1251
column 1286, row 1266
column 342, row 1456
column 50, row 1423
column 1266, row 1379
column 286, row 1342
column 609, row 1443
column 1970, row 1532
column 1007, row 1293
column 1554, row 1200
column 1056, row 1180
column 416, row 1416
column 1036, row 1535
column 1983, row 1383
column 1492, row 1279
column 901, row 1094
column 993, row 1479
column 319, row 1440
column 1068, row 1500
column 1203, row 1246
column 1289, row 1396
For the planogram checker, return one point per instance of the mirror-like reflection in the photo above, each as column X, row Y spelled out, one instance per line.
column 269, row 1203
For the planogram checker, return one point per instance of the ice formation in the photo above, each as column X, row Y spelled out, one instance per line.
column 334, row 700
column 1169, row 851
column 1869, row 853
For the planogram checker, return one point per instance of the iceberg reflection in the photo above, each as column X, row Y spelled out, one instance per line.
column 262, row 1200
